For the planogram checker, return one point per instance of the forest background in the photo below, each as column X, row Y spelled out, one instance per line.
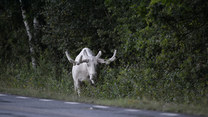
column 162, row 47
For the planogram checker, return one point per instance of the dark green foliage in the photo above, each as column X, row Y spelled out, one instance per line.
column 162, row 47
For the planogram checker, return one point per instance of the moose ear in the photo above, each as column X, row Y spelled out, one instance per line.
column 101, row 60
column 99, row 54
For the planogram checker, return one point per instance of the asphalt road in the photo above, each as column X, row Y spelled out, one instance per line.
column 19, row 106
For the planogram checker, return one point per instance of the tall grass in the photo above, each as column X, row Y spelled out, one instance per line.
column 42, row 78
column 124, row 86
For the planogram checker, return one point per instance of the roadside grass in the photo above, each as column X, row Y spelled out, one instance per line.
column 146, row 104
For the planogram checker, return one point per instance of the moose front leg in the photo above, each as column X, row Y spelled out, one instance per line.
column 77, row 87
column 91, row 79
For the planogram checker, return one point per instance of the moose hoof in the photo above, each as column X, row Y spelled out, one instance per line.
column 92, row 82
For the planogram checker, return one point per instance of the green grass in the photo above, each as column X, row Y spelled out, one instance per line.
column 147, row 104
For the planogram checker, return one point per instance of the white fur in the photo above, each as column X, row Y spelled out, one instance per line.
column 84, row 66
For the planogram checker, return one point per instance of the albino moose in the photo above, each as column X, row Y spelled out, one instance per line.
column 84, row 66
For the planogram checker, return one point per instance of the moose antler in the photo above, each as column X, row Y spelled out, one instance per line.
column 75, row 62
column 108, row 60
column 69, row 58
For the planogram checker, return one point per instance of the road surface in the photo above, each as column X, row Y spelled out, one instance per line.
column 19, row 106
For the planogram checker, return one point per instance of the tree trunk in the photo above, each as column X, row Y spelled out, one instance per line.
column 36, row 28
column 32, row 52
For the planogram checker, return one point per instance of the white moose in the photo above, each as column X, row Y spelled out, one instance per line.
column 84, row 66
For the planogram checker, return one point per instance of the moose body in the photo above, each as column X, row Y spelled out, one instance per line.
column 85, row 65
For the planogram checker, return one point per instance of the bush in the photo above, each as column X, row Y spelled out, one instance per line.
column 43, row 78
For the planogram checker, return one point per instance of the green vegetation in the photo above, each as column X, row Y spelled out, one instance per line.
column 162, row 58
